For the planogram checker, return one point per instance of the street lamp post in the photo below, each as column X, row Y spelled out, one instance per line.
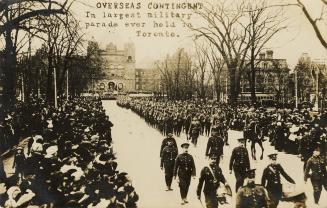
column 55, row 86
column 23, row 89
column 67, row 86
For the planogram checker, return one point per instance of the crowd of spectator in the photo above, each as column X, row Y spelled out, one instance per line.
column 62, row 157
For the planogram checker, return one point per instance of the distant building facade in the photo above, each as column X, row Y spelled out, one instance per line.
column 147, row 80
column 311, row 78
column 119, row 70
column 271, row 79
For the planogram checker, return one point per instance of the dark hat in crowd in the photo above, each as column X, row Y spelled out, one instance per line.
column 318, row 147
column 122, row 176
column 273, row 156
column 121, row 179
column 121, row 194
column 250, row 173
column 105, row 157
column 129, row 189
column 185, row 145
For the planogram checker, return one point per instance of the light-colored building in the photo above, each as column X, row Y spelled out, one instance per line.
column 119, row 70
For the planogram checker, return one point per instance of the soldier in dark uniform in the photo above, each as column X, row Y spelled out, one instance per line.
column 240, row 162
column 306, row 147
column 165, row 142
column 195, row 131
column 215, row 146
column 185, row 168
column 272, row 182
column 252, row 195
column 317, row 166
column 211, row 176
column 168, row 157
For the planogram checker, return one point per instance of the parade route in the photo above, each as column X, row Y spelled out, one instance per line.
column 137, row 148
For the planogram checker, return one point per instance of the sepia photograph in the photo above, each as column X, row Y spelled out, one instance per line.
column 163, row 104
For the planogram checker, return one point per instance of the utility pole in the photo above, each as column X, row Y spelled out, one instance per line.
column 23, row 90
column 55, row 86
column 315, row 70
column 39, row 85
column 296, row 95
column 317, row 89
column 226, row 88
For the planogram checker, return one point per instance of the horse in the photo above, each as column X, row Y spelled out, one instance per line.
column 254, row 134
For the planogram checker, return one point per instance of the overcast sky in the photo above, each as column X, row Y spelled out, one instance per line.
column 298, row 38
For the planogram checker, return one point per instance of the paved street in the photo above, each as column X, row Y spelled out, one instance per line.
column 137, row 146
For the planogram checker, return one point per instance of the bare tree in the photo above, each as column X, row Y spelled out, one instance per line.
column 264, row 24
column 317, row 23
column 225, row 29
column 177, row 75
column 217, row 65
column 201, row 61
column 12, row 18
column 62, row 39
column 238, row 31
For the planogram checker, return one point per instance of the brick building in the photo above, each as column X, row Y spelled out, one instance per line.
column 147, row 80
column 272, row 77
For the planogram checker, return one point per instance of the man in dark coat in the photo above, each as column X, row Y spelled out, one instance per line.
column 165, row 142
column 306, row 147
column 272, row 182
column 211, row 176
column 184, row 168
column 215, row 146
column 240, row 162
column 168, row 157
column 317, row 166
column 252, row 195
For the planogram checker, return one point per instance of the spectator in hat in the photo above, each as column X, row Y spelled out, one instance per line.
column 271, row 180
column 316, row 170
column 240, row 163
column 16, row 200
column 252, row 195
column 184, row 168
column 19, row 162
column 211, row 176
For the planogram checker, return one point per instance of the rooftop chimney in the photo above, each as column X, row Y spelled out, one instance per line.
column 262, row 55
column 270, row 54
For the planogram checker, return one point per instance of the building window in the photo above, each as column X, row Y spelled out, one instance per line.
column 265, row 65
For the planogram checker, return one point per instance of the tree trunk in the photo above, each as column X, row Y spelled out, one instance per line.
column 49, row 92
column 232, row 85
column 252, row 79
column 9, row 73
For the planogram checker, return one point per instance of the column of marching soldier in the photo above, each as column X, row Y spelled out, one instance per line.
column 168, row 118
